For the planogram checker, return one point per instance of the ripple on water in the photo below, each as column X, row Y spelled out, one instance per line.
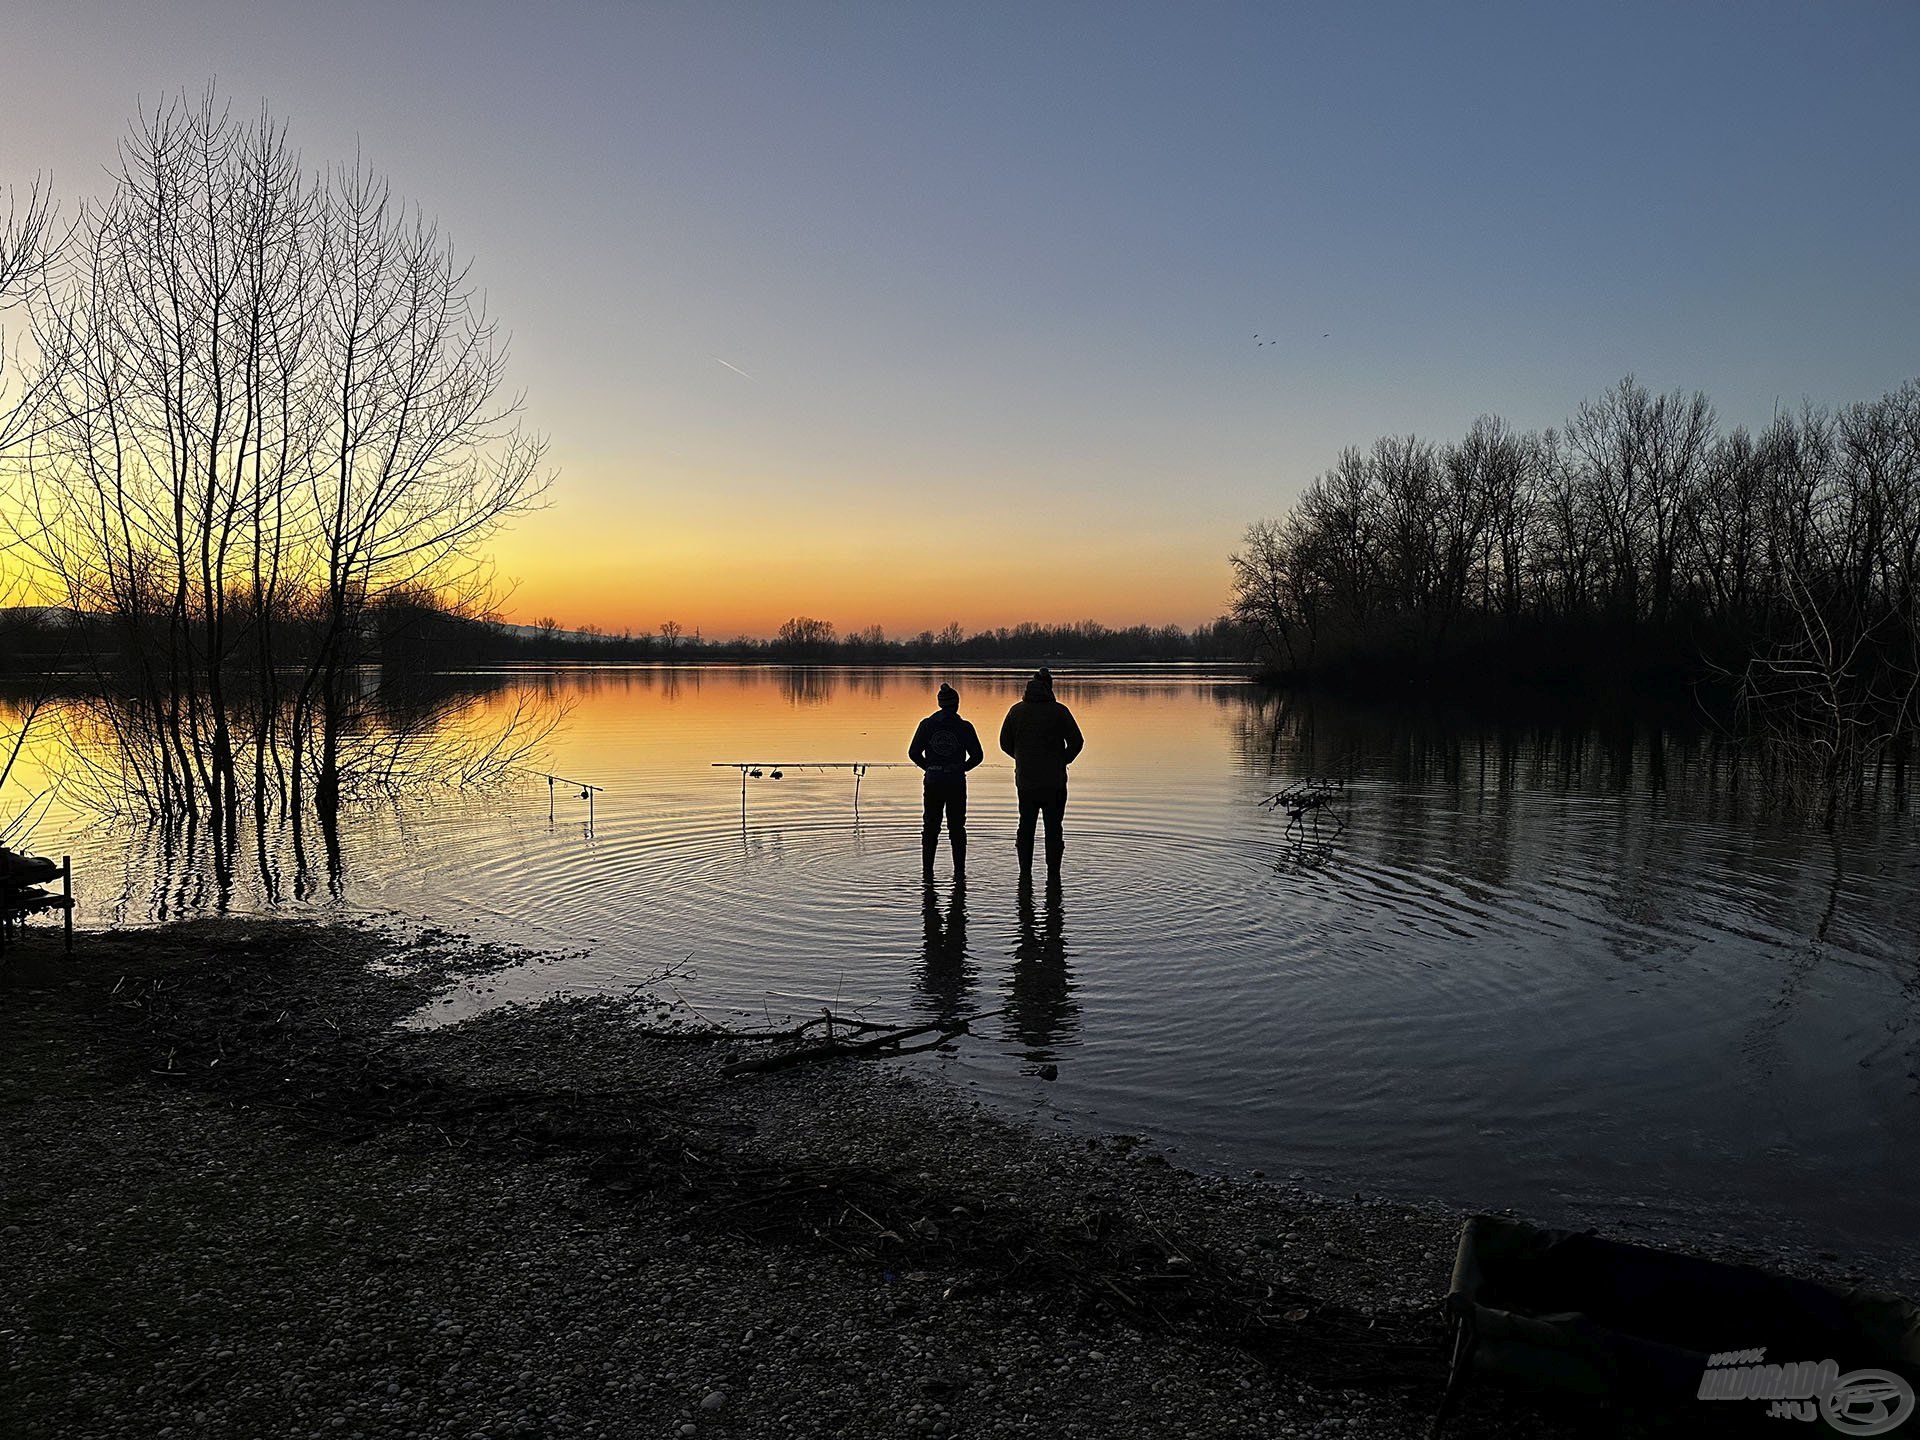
column 1504, row 991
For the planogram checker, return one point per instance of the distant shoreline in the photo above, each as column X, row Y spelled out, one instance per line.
column 1026, row 664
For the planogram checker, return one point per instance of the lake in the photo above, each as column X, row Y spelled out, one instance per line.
column 1571, row 969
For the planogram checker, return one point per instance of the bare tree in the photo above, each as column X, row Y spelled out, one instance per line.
column 27, row 238
column 804, row 637
column 1825, row 706
column 28, row 245
column 266, row 404
column 420, row 461
column 1492, row 477
column 1265, row 602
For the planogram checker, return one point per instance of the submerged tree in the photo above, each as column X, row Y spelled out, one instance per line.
column 265, row 404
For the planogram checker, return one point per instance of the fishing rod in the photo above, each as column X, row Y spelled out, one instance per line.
column 587, row 792
column 756, row 769
column 776, row 770
column 859, row 767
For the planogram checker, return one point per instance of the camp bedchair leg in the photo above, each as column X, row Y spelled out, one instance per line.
column 1464, row 1343
column 66, row 893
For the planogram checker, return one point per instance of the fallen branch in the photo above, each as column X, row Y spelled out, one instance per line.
column 834, row 1049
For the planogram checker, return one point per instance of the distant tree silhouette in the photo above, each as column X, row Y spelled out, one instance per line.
column 804, row 638
column 479, row 642
column 1640, row 544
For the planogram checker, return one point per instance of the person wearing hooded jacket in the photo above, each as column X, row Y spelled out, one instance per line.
column 1041, row 736
column 945, row 747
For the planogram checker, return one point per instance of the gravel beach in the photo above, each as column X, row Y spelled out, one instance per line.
column 238, row 1199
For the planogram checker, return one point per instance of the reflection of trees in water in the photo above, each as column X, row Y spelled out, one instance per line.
column 804, row 685
column 676, row 682
column 591, row 681
column 1673, row 759
column 110, row 754
column 819, row 685
column 874, row 684
column 812, row 685
column 1761, row 1044
column 1041, row 1010
column 1668, row 828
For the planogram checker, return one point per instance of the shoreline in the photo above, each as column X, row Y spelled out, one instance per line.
column 240, row 1199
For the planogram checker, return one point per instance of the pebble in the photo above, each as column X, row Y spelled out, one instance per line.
column 716, row 1400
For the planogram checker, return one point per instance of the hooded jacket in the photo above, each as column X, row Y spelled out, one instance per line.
column 945, row 747
column 1041, row 736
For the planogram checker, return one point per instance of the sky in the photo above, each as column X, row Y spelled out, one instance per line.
column 911, row 313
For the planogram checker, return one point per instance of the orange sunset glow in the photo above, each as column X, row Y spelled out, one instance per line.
column 726, row 577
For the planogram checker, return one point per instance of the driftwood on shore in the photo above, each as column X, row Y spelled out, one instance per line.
column 871, row 1040
column 843, row 1037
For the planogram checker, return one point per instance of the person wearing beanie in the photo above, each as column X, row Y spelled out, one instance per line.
column 1043, row 739
column 945, row 747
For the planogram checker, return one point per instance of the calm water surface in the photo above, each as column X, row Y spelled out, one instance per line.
column 1572, row 972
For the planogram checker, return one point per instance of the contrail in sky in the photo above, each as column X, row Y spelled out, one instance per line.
column 736, row 370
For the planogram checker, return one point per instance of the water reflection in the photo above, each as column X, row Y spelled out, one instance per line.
column 947, row 973
column 1575, row 956
column 1505, row 804
column 1042, row 1014
column 102, row 755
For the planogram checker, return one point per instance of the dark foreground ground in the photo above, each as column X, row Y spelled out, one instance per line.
column 236, row 1200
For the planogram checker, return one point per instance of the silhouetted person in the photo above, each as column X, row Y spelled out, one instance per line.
column 945, row 747
column 1041, row 736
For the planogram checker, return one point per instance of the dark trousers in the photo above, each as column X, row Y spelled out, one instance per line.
column 944, row 798
column 1034, row 804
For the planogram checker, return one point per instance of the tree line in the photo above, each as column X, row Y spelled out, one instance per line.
column 802, row 638
column 1642, row 543
column 420, row 633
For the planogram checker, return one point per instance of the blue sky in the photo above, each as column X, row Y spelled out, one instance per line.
column 995, row 270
